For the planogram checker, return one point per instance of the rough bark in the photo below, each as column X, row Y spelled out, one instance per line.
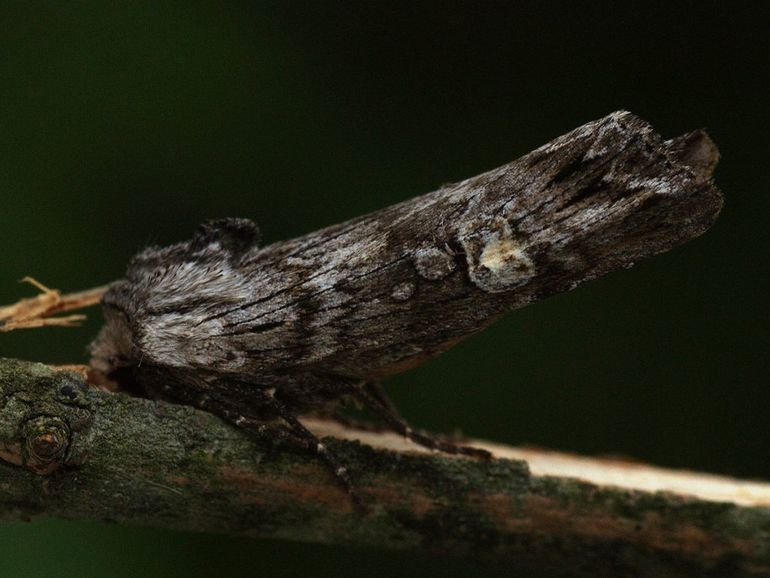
column 76, row 452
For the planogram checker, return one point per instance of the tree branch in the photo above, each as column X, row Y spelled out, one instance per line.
column 75, row 452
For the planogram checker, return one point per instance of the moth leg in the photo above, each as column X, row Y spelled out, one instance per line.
column 349, row 422
column 313, row 444
column 375, row 389
column 296, row 432
column 374, row 397
column 236, row 416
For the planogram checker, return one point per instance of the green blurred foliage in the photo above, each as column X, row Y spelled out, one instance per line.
column 125, row 124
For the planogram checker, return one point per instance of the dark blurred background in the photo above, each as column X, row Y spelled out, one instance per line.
column 125, row 124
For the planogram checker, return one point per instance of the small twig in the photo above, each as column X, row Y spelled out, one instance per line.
column 37, row 311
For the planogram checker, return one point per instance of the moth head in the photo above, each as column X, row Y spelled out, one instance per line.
column 114, row 348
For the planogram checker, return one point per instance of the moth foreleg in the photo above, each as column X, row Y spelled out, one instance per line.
column 373, row 397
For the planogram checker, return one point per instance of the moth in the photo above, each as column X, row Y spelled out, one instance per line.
column 257, row 334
